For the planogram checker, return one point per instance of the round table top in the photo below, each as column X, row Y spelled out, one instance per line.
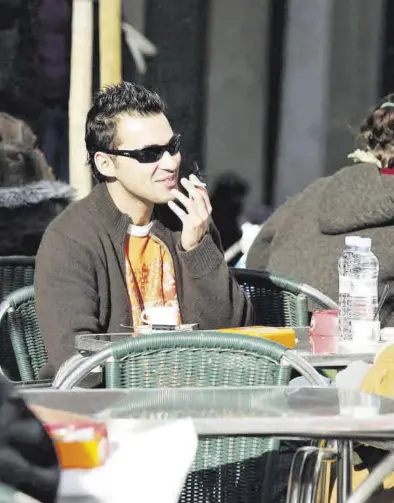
column 325, row 412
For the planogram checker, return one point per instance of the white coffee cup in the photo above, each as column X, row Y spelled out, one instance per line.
column 160, row 315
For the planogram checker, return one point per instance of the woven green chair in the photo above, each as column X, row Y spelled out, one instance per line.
column 23, row 352
column 226, row 469
column 279, row 301
column 15, row 272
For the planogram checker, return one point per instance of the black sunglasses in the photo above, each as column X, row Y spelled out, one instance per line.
column 149, row 154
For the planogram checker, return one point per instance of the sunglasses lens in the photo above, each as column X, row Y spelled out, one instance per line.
column 174, row 145
column 150, row 154
column 154, row 154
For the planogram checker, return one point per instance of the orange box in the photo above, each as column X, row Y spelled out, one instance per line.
column 80, row 445
column 285, row 336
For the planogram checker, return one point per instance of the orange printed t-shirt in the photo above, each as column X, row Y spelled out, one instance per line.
column 150, row 273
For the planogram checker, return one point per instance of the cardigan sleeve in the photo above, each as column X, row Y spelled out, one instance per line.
column 66, row 294
column 218, row 300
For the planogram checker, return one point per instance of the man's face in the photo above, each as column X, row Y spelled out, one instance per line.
column 151, row 182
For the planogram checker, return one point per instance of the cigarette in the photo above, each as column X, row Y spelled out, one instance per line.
column 197, row 183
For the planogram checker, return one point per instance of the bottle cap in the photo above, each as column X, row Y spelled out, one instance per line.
column 365, row 243
column 352, row 240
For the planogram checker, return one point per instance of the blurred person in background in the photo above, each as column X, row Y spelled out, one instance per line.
column 238, row 223
column 18, row 86
column 28, row 460
column 15, row 130
column 35, row 44
column 52, row 33
column 305, row 236
column 252, row 221
column 227, row 199
column 29, row 198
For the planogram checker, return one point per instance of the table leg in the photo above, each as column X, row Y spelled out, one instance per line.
column 345, row 465
column 306, row 471
column 296, row 479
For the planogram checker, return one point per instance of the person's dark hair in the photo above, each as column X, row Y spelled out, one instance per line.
column 20, row 165
column 377, row 132
column 227, row 199
column 108, row 105
column 16, row 130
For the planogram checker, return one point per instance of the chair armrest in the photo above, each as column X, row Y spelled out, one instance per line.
column 67, row 367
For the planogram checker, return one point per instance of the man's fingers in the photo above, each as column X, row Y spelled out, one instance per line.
column 198, row 203
column 207, row 201
column 202, row 191
column 194, row 204
column 177, row 210
column 182, row 198
column 194, row 192
column 196, row 182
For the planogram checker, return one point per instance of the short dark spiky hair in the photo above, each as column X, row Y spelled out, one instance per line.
column 108, row 104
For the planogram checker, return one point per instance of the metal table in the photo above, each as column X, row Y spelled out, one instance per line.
column 327, row 360
column 88, row 344
column 337, row 360
column 92, row 343
column 327, row 413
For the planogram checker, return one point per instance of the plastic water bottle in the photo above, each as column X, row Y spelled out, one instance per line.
column 358, row 271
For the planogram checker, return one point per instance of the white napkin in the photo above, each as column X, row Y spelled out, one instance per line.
column 352, row 376
column 146, row 465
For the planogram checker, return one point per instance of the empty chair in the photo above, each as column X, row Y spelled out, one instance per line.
column 241, row 468
column 23, row 352
column 279, row 301
column 15, row 272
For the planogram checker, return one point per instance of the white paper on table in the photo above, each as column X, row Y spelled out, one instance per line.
column 353, row 375
column 146, row 465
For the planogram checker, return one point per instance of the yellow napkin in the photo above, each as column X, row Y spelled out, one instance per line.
column 379, row 379
column 282, row 335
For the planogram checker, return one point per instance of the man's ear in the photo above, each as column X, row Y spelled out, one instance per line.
column 104, row 164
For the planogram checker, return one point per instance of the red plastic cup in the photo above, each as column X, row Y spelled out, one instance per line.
column 324, row 331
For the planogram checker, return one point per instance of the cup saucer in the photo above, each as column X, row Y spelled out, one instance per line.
column 151, row 329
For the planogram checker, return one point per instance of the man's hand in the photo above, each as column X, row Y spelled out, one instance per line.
column 196, row 216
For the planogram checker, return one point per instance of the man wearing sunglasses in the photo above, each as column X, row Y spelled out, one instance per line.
column 142, row 237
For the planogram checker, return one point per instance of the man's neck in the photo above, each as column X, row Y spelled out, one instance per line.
column 138, row 210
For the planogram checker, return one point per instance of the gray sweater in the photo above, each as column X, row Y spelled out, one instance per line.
column 305, row 237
